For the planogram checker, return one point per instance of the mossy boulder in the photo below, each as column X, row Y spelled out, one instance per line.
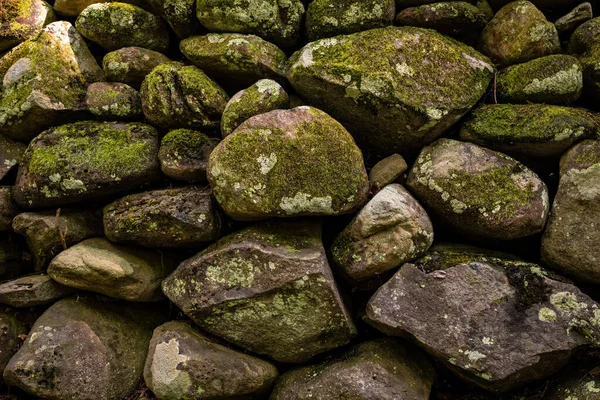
column 264, row 96
column 566, row 24
column 531, row 129
column 479, row 191
column 585, row 45
column 326, row 18
column 183, row 364
column 11, row 153
column 288, row 163
column 386, row 171
column 113, row 101
column 44, row 81
column 180, row 217
column 278, row 22
column 375, row 370
column 178, row 96
column 179, row 14
column 83, row 349
column 10, row 340
column 519, row 32
column 390, row 230
column 115, row 25
column 236, row 61
column 419, row 84
column 32, row 290
column 8, row 208
column 184, row 154
column 23, row 19
column 267, row 289
column 130, row 65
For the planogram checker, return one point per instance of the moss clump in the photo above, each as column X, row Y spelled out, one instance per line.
column 187, row 143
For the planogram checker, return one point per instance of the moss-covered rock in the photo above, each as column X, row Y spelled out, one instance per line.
column 566, row 24
column 276, row 21
column 113, row 101
column 179, row 14
column 288, row 163
column 179, row 96
column 554, row 79
column 10, row 340
column 326, row 18
column 418, row 85
column 235, row 60
column 130, row 65
column 519, row 32
column 32, row 290
column 44, row 81
column 183, row 364
column 86, row 160
column 267, row 289
column 11, row 153
column 585, row 45
column 116, row 25
column 479, row 191
column 72, row 8
column 532, row 130
column 8, row 208
column 22, row 19
column 264, row 96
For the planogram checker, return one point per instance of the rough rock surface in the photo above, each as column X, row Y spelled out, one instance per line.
column 387, row 171
column 179, row 14
column 11, row 329
column 113, row 101
column 130, row 65
column 569, row 22
column 8, row 208
column 585, row 45
column 10, row 155
column 23, row 19
column 32, row 290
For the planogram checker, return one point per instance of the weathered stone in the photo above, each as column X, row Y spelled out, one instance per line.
column 130, row 65
column 10, row 340
column 23, row 19
column 267, row 289
column 510, row 321
column 32, row 290
column 264, row 96
column 115, row 25
column 10, row 154
column 123, row 272
column 113, row 101
column 236, row 61
column 479, row 191
column 579, row 381
column 275, row 21
column 184, row 154
column 183, row 364
column 288, row 163
column 45, row 231
column 179, row 96
column 72, row 8
column 83, row 349
column 390, row 230
column 381, row 369
column 569, row 22
column 419, row 84
column 85, row 160
column 181, row 217
column 326, row 18
column 8, row 208
column 533, row 130
column 585, row 45
column 44, row 81
column 519, row 32
column 386, row 171
column 179, row 14
column 11, row 258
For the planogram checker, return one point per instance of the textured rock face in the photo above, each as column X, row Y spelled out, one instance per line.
column 10, row 155
column 387, row 171
column 405, row 97
column 267, row 289
column 584, row 44
column 130, row 65
column 567, row 23
column 23, row 19
column 376, row 370
column 183, row 364
column 261, row 170
column 494, row 306
column 113, row 101
column 32, row 290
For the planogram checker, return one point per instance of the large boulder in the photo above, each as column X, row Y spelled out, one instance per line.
column 23, row 19
column 86, row 161
column 419, row 84
column 267, row 289
column 130, row 65
column 479, row 191
column 288, row 163
column 32, row 290
column 585, row 45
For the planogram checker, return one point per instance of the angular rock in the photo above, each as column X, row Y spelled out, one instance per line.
column 122, row 272
column 179, row 14
column 8, row 208
column 569, row 22
column 83, row 349
column 275, row 21
column 267, row 289
column 184, row 364
column 12, row 258
column 405, row 97
column 115, row 25
column 179, row 96
column 44, row 81
column 41, row 231
column 264, row 96
column 113, row 101
column 32, row 290
column 326, row 18
column 85, row 161
column 184, row 154
column 390, row 230
column 376, row 370
column 10, row 154
column 533, row 130
column 288, row 163
column 237, row 61
column 10, row 339
column 519, row 32
column 23, row 19
column 511, row 322
column 386, row 171
column 478, row 191
column 130, row 65
column 181, row 217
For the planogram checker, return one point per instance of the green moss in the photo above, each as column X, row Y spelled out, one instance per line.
column 187, row 142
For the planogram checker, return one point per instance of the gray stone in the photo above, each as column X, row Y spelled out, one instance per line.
column 569, row 22
column 387, row 171
column 32, row 290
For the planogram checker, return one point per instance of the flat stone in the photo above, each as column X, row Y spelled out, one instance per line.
column 32, row 290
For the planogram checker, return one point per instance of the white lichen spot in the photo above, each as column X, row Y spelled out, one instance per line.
column 303, row 203
column 215, row 38
column 591, row 387
column 546, row 315
column 10, row 163
column 458, row 206
column 55, row 177
column 474, row 355
column 435, row 113
column 563, row 82
column 353, row 92
column 166, row 376
column 267, row 162
column 405, row 69
column 237, row 42
column 488, row 340
column 73, row 184
column 268, row 85
column 476, row 63
column 306, row 57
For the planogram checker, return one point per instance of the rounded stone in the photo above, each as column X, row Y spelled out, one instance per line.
column 130, row 65
column 113, row 101
column 23, row 19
